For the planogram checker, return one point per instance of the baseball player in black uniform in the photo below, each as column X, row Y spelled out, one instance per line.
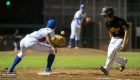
column 119, row 32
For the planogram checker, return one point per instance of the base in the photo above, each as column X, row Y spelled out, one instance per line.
column 49, row 73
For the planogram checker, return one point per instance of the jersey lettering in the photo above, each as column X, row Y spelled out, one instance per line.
column 115, row 30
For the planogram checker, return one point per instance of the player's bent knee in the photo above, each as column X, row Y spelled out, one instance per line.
column 51, row 52
column 21, row 55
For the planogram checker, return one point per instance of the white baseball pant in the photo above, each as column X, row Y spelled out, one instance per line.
column 75, row 31
column 30, row 43
column 113, row 48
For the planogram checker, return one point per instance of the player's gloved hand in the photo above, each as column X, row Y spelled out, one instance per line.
column 59, row 40
column 86, row 20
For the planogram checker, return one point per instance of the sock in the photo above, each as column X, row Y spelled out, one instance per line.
column 76, row 43
column 50, row 61
column 16, row 61
column 70, row 42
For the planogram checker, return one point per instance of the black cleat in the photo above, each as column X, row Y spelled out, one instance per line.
column 103, row 70
column 123, row 67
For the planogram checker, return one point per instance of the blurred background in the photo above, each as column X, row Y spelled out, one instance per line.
column 30, row 15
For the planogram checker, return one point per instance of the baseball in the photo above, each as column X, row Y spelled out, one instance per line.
column 62, row 32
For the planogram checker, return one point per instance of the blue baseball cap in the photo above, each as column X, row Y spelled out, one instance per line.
column 51, row 23
column 82, row 6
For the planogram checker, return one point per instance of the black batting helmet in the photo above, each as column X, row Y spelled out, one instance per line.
column 107, row 11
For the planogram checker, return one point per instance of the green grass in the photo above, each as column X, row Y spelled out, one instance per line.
column 39, row 60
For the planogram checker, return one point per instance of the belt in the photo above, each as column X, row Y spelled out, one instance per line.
column 118, row 37
column 75, row 18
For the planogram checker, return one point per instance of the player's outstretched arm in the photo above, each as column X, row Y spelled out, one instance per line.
column 50, row 42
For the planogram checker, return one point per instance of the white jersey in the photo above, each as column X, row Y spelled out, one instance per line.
column 79, row 16
column 40, row 35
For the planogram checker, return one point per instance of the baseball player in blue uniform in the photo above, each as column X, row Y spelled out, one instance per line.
column 76, row 26
column 37, row 41
column 119, row 32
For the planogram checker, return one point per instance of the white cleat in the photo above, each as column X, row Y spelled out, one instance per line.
column 76, row 47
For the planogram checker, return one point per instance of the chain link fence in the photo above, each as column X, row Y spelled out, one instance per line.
column 95, row 34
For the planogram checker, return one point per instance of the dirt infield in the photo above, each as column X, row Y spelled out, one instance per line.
column 77, row 74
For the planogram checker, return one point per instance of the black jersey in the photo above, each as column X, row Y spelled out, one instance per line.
column 117, row 27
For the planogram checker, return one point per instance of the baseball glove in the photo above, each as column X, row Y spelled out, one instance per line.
column 59, row 40
column 86, row 20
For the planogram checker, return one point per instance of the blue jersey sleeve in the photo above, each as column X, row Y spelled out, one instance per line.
column 78, row 21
